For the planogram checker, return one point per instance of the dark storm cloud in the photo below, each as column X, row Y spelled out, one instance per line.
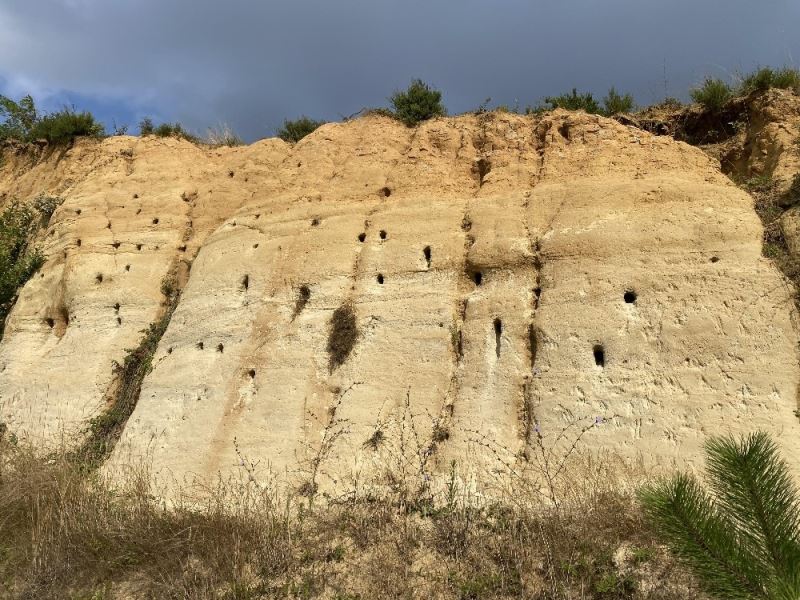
column 251, row 63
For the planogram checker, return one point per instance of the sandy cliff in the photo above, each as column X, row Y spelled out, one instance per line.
column 513, row 281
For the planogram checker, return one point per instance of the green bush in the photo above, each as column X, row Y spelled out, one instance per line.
column 742, row 540
column 615, row 103
column 573, row 101
column 419, row 102
column 21, row 121
column 767, row 77
column 146, row 127
column 18, row 260
column 713, row 94
column 64, row 126
column 294, row 131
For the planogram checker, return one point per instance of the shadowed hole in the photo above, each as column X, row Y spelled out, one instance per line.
column 714, row 259
column 599, row 355
column 477, row 277
column 362, row 237
column 385, row 192
column 380, row 278
column 629, row 296
column 252, row 373
column 383, row 234
column 314, row 222
column 498, row 332
column 426, row 252
column 245, row 282
column 220, row 348
column 155, row 221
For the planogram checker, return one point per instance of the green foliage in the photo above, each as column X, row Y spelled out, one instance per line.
column 419, row 102
column 741, row 538
column 615, row 103
column 713, row 94
column 296, row 130
column 765, row 78
column 147, row 127
column 19, row 117
column 573, row 101
column 18, row 260
column 21, row 121
column 65, row 125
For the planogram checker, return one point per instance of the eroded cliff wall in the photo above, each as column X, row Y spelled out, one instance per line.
column 515, row 283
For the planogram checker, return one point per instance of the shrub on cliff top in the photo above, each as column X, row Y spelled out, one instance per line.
column 147, row 127
column 765, row 78
column 713, row 94
column 419, row 102
column 615, row 103
column 296, row 130
column 21, row 121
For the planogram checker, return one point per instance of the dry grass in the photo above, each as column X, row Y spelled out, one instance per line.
column 65, row 534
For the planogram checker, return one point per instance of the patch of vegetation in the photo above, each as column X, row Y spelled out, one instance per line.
column 762, row 79
column 419, row 102
column 67, row 535
column 615, row 103
column 147, row 127
column 713, row 94
column 223, row 136
column 19, row 260
column 741, row 537
column 21, row 121
column 105, row 430
column 296, row 130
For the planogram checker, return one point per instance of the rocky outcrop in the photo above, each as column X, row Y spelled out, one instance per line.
column 485, row 289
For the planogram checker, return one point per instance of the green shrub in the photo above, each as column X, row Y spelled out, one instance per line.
column 742, row 540
column 19, row 118
column 147, row 127
column 64, row 126
column 573, row 101
column 18, row 260
column 21, row 121
column 615, row 103
column 713, row 94
column 419, row 102
column 767, row 77
column 294, row 131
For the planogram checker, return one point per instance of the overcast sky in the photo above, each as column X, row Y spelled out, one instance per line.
column 252, row 63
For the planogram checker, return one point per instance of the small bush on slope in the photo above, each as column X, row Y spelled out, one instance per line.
column 296, row 130
column 743, row 539
column 573, row 101
column 615, row 103
column 713, row 94
column 765, row 78
column 147, row 127
column 21, row 121
column 419, row 102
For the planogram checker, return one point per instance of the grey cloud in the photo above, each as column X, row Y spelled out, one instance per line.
column 251, row 63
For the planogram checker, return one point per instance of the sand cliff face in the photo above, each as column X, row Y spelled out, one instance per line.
column 514, row 283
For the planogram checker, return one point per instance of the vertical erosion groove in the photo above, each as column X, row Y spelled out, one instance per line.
column 105, row 430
